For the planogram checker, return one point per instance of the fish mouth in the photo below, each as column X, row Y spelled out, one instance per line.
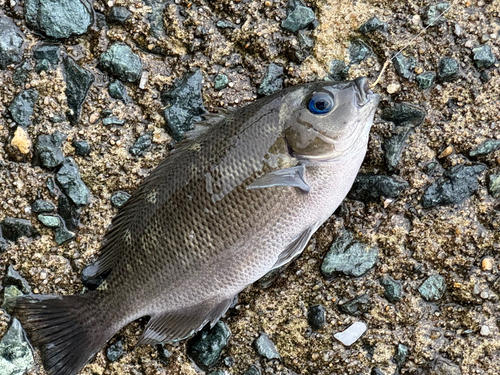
column 363, row 94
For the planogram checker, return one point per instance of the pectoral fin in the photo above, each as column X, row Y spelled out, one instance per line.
column 294, row 176
column 296, row 247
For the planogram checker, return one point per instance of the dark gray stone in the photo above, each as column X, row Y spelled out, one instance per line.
column 253, row 370
column 78, row 82
column 273, row 80
column 372, row 25
column 448, row 69
column 359, row 51
column 433, row 15
column 443, row 366
column 50, row 221
column 426, row 80
column 119, row 198
column 12, row 277
column 217, row 372
column 16, row 356
column 119, row 15
column 401, row 354
column 11, row 43
column 339, row 71
column 115, row 351
column 488, row 146
column 494, row 185
column 298, row 16
column 356, row 306
column 206, row 347
column 48, row 150
column 369, row 187
column 22, row 107
column 457, row 184
column 49, row 52
column 376, row 371
column 348, row 257
column 266, row 348
column 117, row 90
column 121, row 62
column 112, row 120
column 433, row 288
column 69, row 212
column 402, row 114
column 220, row 81
column 163, row 354
column 68, row 178
column 59, row 19
column 63, row 235
column 392, row 289
column 89, row 279
column 42, row 66
column 306, row 44
column 14, row 228
column 21, row 74
column 269, row 278
column 483, row 57
column 404, row 65
column 142, row 144
column 395, row 145
column 316, row 316
column 82, row 147
column 41, row 206
column 184, row 104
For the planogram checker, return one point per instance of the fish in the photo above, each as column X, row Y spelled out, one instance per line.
column 223, row 209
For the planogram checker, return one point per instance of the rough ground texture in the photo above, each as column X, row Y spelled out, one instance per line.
column 460, row 242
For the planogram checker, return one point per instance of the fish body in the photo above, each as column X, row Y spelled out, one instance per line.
column 216, row 215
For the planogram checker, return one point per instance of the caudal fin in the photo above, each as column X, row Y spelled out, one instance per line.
column 68, row 330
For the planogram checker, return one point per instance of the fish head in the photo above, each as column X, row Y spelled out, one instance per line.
column 329, row 120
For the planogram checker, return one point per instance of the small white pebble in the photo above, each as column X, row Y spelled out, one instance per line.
column 485, row 330
column 43, row 275
column 144, row 80
column 393, row 88
column 484, row 295
column 351, row 334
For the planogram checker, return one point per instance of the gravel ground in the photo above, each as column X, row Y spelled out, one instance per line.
column 455, row 333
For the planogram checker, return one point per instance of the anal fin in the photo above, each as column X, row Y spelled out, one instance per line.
column 293, row 176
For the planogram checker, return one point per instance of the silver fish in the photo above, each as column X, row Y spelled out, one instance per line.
column 216, row 215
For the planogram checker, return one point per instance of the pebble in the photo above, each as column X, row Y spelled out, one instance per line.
column 402, row 114
column 115, row 351
column 434, row 12
column 142, row 144
column 68, row 178
column 446, row 152
column 356, row 306
column 485, row 330
column 163, row 354
column 494, row 185
column 217, row 372
column 16, row 356
column 348, row 257
column 448, row 69
column 221, row 81
column 339, row 71
column 117, row 90
column 433, row 288
column 69, row 212
column 10, row 295
column 401, row 354
column 306, row 45
column 483, row 57
column 253, row 370
column 395, row 145
column 119, row 15
column 485, row 148
column 63, row 235
column 369, row 187
column 12, row 277
column 78, row 82
column 376, row 371
column 20, row 144
column 21, row 73
column 456, row 185
column 392, row 289
column 112, row 120
column 42, row 66
column 119, row 198
column 316, row 317
column 42, row 206
column 59, row 19
column 404, row 65
column 21, row 108
column 266, row 348
column 298, row 16
column 351, row 334
column 487, row 264
column 426, row 80
column 48, row 150
column 272, row 81
column 393, row 88
column 121, row 62
column 48, row 52
column 82, row 147
column 11, row 43
column 14, row 228
column 373, row 24
column 359, row 51
column 50, row 221
column 184, row 104
column 443, row 366
column 206, row 347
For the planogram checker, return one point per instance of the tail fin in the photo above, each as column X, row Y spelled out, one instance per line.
column 68, row 330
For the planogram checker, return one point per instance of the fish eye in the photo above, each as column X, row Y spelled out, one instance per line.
column 320, row 103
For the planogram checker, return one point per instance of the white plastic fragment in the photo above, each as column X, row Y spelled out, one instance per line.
column 351, row 334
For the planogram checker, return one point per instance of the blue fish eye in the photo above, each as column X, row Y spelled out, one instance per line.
column 320, row 103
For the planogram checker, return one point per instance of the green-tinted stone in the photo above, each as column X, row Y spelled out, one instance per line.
column 435, row 13
column 78, row 82
column 404, row 65
column 14, row 228
column 206, row 347
column 371, row 25
column 48, row 150
column 22, row 107
column 50, row 221
column 433, row 288
column 426, row 80
column 448, row 69
column 299, row 18
column 41, row 205
column 266, row 348
column 392, row 289
column 112, row 120
column 42, row 66
column 253, row 370
column 401, row 354
column 359, row 51
column 82, row 147
column 121, row 62
column 16, row 356
column 395, row 145
column 117, row 90
column 483, row 57
column 369, row 187
column 220, row 81
column 494, row 185
column 68, row 177
column 141, row 145
column 63, row 235
column 11, row 43
column 119, row 198
column 10, row 294
column 488, row 146
column 273, row 80
column 339, row 71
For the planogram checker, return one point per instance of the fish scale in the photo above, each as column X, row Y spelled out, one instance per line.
column 216, row 215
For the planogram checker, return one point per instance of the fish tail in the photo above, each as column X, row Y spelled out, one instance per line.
column 68, row 330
